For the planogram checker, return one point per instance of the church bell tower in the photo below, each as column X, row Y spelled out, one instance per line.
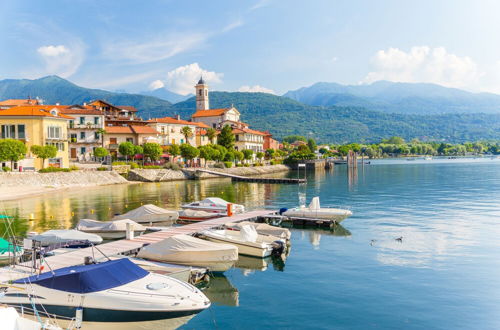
column 202, row 95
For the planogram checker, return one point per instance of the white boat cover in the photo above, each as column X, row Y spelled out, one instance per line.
column 187, row 249
column 12, row 321
column 262, row 228
column 216, row 203
column 190, row 213
column 117, row 225
column 248, row 233
column 314, row 204
column 149, row 213
column 64, row 235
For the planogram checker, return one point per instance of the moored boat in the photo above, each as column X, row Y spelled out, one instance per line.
column 314, row 211
column 187, row 250
column 8, row 250
column 112, row 291
column 214, row 205
column 262, row 228
column 110, row 229
column 73, row 237
column 149, row 213
column 198, row 215
column 248, row 241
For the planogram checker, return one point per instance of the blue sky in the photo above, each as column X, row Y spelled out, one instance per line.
column 258, row 45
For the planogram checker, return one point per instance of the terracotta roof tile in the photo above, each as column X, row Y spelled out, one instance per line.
column 18, row 102
column 77, row 111
column 144, row 130
column 127, row 107
column 248, row 131
column 33, row 111
column 210, row 113
column 118, row 130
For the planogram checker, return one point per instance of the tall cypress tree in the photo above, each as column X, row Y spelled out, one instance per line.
column 226, row 137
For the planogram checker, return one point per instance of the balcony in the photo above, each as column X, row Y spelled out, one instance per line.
column 85, row 126
column 62, row 137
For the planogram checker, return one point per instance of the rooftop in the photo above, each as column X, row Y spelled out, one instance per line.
column 34, row 111
column 210, row 113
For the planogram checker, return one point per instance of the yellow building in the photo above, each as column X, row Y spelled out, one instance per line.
column 37, row 125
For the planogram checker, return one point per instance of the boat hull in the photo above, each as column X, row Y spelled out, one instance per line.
column 336, row 216
column 244, row 248
column 112, row 234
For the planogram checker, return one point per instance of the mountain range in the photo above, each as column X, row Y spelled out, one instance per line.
column 344, row 122
column 386, row 96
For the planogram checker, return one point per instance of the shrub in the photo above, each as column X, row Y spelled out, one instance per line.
column 228, row 164
column 133, row 165
column 102, row 168
column 218, row 165
column 257, row 164
column 275, row 162
column 51, row 169
column 247, row 165
column 239, row 165
column 74, row 168
column 172, row 166
column 152, row 167
column 118, row 163
column 6, row 169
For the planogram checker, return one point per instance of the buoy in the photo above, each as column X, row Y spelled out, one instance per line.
column 32, row 216
column 92, row 211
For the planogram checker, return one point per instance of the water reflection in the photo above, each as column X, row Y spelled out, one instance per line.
column 221, row 292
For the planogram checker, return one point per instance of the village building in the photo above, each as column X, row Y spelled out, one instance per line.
column 137, row 135
column 270, row 143
column 85, row 131
column 117, row 115
column 170, row 130
column 18, row 102
column 37, row 125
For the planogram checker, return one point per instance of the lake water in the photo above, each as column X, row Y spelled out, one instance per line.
column 445, row 274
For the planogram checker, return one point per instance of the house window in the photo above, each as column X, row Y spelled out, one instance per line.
column 53, row 132
column 83, row 150
column 21, row 131
column 96, row 120
column 82, row 120
column 112, row 140
column 96, row 135
column 182, row 141
column 8, row 131
column 237, row 137
column 71, row 123
column 131, row 140
column 199, row 92
column 82, row 135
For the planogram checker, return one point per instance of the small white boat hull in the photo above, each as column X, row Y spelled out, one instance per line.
column 327, row 214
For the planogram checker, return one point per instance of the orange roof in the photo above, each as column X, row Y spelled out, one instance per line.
column 210, row 113
column 202, row 125
column 77, row 111
column 144, row 130
column 118, row 130
column 33, row 111
column 201, row 132
column 17, row 102
column 170, row 120
column 127, row 107
column 248, row 131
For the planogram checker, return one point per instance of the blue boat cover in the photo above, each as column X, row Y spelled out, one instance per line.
column 89, row 278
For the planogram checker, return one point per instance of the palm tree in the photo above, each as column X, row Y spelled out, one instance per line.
column 187, row 132
column 211, row 133
column 101, row 132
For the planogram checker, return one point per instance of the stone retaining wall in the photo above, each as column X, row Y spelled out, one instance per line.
column 245, row 171
column 156, row 175
column 60, row 179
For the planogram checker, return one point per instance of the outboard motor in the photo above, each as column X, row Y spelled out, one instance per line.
column 283, row 210
column 278, row 248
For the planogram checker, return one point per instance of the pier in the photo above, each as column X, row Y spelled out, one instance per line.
column 129, row 246
column 252, row 179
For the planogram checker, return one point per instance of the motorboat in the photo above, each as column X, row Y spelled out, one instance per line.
column 428, row 158
column 214, row 205
column 262, row 228
column 314, row 211
column 191, row 215
column 187, row 250
column 248, row 241
column 110, row 229
column 73, row 237
column 11, row 320
column 112, row 291
column 149, row 213
column 7, row 250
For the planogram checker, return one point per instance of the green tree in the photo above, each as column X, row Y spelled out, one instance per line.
column 226, row 137
column 312, row 144
column 270, row 153
column 294, row 138
column 152, row 150
column 126, row 149
column 207, row 153
column 219, row 152
column 187, row 132
column 138, row 150
column 101, row 132
column 259, row 155
column 189, row 152
column 394, row 140
column 100, row 152
column 238, row 155
column 229, row 156
column 12, row 150
column 44, row 152
column 174, row 150
column 247, row 154
column 211, row 134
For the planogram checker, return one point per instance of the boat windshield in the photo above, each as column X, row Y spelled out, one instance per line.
column 89, row 278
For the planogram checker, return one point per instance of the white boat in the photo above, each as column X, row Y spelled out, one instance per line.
column 214, row 205
column 428, row 158
column 149, row 213
column 73, row 237
column 247, row 240
column 262, row 228
column 187, row 250
column 110, row 229
column 314, row 211
column 198, row 215
column 112, row 291
column 11, row 320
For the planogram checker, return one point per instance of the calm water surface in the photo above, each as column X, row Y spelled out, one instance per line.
column 445, row 274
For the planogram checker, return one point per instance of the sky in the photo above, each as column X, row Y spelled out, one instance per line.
column 251, row 45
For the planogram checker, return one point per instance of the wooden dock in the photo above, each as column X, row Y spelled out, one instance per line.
column 129, row 246
column 252, row 179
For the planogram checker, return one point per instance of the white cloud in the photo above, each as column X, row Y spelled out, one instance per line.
column 424, row 64
column 156, row 84
column 255, row 89
column 233, row 25
column 62, row 60
column 181, row 80
column 260, row 4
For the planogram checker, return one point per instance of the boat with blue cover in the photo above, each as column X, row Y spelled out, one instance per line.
column 112, row 291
